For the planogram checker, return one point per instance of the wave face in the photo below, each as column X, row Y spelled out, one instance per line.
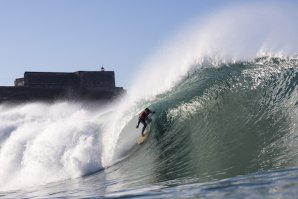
column 224, row 121
column 232, row 120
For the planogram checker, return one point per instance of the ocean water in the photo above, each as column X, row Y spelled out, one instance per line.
column 228, row 131
column 225, row 125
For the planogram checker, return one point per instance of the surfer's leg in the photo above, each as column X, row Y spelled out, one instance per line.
column 144, row 127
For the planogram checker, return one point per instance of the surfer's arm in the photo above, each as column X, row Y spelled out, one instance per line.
column 138, row 123
column 152, row 112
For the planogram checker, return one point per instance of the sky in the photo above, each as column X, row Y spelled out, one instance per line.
column 72, row 35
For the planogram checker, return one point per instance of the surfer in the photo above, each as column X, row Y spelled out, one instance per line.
column 143, row 118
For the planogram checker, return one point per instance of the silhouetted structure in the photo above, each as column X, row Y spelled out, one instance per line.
column 49, row 86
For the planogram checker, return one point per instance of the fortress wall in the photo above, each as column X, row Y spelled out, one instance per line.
column 20, row 94
column 49, row 86
column 50, row 80
column 97, row 79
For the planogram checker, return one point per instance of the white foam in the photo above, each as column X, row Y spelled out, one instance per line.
column 48, row 143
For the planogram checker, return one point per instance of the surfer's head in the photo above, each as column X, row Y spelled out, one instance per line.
column 147, row 110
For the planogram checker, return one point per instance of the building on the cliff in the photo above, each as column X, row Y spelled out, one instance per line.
column 50, row 86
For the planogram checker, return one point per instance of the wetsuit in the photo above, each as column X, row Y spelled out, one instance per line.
column 142, row 119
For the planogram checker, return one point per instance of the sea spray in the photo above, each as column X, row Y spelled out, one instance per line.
column 48, row 142
column 237, row 33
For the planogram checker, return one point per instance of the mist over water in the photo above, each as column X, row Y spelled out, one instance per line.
column 241, row 32
column 224, row 89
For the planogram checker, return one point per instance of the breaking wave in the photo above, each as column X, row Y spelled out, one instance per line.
column 226, row 105
column 233, row 119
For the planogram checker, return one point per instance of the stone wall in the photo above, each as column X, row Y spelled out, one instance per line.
column 50, row 80
column 80, row 79
column 49, row 86
column 96, row 79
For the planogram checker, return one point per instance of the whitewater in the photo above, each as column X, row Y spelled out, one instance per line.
column 225, row 94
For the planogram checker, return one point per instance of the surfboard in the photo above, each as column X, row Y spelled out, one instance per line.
column 142, row 138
